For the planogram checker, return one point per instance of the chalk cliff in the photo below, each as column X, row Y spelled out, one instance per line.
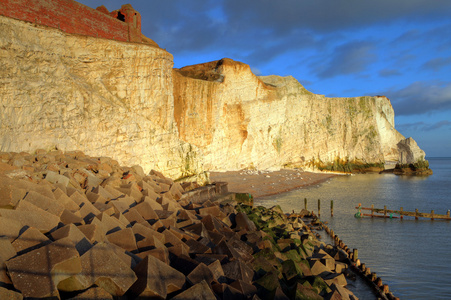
column 121, row 99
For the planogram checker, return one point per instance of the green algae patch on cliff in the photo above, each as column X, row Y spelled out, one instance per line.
column 347, row 166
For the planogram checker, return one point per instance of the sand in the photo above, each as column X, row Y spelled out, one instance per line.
column 265, row 183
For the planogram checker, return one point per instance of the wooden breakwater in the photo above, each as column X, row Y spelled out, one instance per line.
column 388, row 213
column 381, row 289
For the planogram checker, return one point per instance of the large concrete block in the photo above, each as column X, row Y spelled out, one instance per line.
column 37, row 273
column 9, row 193
column 48, row 204
column 54, row 178
column 9, row 295
column 101, row 266
column 30, row 240
column 156, row 279
column 200, row 291
column 30, row 215
column 124, row 238
column 10, row 228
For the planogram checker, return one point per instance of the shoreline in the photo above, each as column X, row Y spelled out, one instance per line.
column 267, row 183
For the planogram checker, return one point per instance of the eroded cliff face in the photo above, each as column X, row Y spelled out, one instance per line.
column 99, row 96
column 110, row 98
column 240, row 121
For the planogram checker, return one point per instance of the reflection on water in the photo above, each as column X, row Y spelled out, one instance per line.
column 412, row 256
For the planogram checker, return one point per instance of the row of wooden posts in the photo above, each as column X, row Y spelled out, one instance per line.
column 388, row 213
column 319, row 207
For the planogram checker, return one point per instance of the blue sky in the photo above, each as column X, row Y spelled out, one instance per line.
column 341, row 48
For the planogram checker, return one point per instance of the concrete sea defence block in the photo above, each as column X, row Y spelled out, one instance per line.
column 38, row 273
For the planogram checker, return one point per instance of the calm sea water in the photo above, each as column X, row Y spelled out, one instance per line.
column 412, row 256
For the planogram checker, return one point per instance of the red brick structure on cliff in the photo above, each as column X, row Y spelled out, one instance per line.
column 73, row 17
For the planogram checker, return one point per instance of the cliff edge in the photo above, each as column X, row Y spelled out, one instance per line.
column 124, row 99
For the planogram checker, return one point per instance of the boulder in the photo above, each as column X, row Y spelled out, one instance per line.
column 27, row 214
column 37, row 273
column 101, row 266
column 200, row 291
column 30, row 240
column 156, row 279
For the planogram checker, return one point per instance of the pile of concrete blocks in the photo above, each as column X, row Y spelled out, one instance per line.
column 80, row 227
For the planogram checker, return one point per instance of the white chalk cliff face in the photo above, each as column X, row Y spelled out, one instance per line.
column 124, row 100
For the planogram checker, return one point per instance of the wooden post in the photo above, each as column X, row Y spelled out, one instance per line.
column 416, row 213
column 447, row 213
column 305, row 203
column 432, row 215
column 385, row 211
column 319, row 208
column 331, row 208
column 400, row 210
column 372, row 208
column 355, row 254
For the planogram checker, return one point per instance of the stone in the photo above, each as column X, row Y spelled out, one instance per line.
column 107, row 223
column 200, row 291
column 101, row 266
column 201, row 273
column 55, row 178
column 9, row 295
column 133, row 216
column 237, row 270
column 10, row 228
column 93, row 232
column 93, row 293
column 319, row 268
column 65, row 200
column 37, row 273
column 333, row 278
column 217, row 271
column 73, row 234
column 48, row 204
column 9, row 194
column 243, row 222
column 141, row 232
column 29, row 240
column 248, row 290
column 30, row 215
column 146, row 211
column 68, row 217
column 156, row 279
column 124, row 238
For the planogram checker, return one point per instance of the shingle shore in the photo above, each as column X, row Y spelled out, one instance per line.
column 80, row 227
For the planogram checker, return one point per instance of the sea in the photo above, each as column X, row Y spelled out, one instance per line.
column 412, row 256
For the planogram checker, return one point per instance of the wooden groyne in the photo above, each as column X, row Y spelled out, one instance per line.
column 381, row 290
column 388, row 213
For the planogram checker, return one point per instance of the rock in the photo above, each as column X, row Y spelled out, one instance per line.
column 10, row 228
column 101, row 266
column 29, row 240
column 27, row 214
column 200, row 291
column 243, row 222
column 38, row 273
column 73, row 234
column 156, row 279
column 94, row 293
column 9, row 194
column 48, row 204
column 9, row 295
column 124, row 238
column 201, row 273
column 237, row 270
column 54, row 178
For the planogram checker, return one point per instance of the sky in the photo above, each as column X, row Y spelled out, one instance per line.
column 338, row 48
